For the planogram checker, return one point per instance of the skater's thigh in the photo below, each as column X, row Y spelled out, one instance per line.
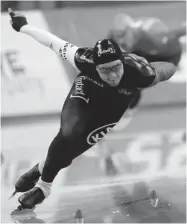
column 63, row 150
column 74, row 118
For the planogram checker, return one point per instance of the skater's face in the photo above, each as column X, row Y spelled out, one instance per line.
column 111, row 72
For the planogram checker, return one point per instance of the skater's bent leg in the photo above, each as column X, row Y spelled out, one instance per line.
column 55, row 161
column 63, row 149
column 60, row 153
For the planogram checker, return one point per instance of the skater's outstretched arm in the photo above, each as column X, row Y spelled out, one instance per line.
column 163, row 70
column 63, row 48
column 152, row 73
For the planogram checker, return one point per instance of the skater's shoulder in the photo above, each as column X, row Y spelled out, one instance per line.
column 84, row 59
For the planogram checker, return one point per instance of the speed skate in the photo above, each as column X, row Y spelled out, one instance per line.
column 23, row 213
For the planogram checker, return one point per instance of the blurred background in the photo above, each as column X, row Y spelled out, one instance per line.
column 146, row 152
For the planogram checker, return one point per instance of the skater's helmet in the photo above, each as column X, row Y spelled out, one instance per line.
column 106, row 50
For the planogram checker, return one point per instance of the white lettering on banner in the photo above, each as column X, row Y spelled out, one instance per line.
column 152, row 157
column 149, row 154
column 153, row 154
column 12, row 61
column 22, row 85
column 32, row 75
column 14, row 79
column 177, row 160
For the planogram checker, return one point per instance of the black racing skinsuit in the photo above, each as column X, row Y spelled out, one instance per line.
column 91, row 109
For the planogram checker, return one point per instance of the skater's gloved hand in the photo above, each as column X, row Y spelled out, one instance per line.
column 140, row 64
column 17, row 20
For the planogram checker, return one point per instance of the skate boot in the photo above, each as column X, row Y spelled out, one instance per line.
column 28, row 180
column 31, row 198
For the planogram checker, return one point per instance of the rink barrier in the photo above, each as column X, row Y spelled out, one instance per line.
column 133, row 157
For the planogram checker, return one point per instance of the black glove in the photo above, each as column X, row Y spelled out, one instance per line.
column 17, row 20
column 140, row 64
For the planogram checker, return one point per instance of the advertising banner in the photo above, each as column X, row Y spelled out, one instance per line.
column 33, row 78
column 132, row 156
